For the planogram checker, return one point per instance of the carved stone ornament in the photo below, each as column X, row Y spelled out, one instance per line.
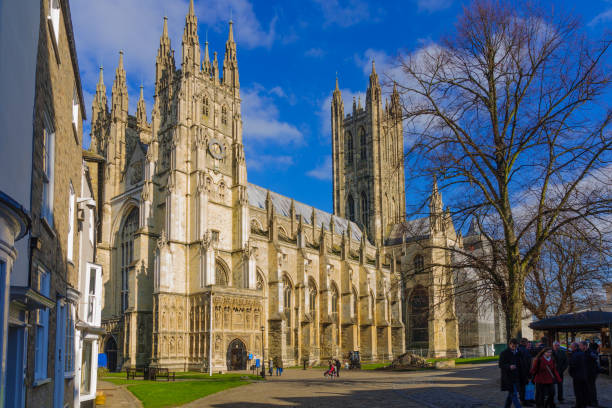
column 216, row 148
column 162, row 241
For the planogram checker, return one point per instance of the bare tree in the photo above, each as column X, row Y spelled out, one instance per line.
column 569, row 274
column 508, row 111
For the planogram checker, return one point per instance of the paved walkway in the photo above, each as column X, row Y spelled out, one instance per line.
column 474, row 386
column 117, row 396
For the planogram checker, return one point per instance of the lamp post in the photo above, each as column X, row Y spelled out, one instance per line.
column 263, row 360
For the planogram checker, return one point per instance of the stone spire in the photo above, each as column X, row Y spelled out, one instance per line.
column 435, row 203
column 99, row 103
column 395, row 107
column 99, row 115
column 230, row 61
column 141, row 110
column 206, row 63
column 215, row 67
column 191, row 42
column 119, row 100
column 164, row 63
column 373, row 92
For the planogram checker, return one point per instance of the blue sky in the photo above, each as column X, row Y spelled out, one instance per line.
column 288, row 56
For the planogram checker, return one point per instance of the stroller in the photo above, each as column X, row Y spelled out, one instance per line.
column 331, row 372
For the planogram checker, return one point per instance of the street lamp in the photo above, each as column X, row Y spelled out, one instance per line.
column 263, row 360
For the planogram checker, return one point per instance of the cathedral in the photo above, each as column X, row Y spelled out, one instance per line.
column 204, row 268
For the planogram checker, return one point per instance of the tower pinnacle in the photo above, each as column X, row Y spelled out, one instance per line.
column 230, row 62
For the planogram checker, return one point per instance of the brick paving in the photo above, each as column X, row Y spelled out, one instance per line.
column 474, row 386
column 117, row 396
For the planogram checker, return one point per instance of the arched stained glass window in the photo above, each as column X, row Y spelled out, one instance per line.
column 419, row 264
column 364, row 209
column 419, row 303
column 349, row 148
column 350, row 203
column 362, row 144
column 130, row 225
column 220, row 275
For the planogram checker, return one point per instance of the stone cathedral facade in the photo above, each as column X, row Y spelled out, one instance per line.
column 205, row 267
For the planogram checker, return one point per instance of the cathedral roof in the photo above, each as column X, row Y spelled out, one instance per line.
column 414, row 230
column 282, row 205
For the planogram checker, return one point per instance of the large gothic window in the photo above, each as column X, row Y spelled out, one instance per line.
column 220, row 275
column 364, row 209
column 287, row 294
column 205, row 106
column 350, row 203
column 313, row 297
column 334, row 299
column 130, row 225
column 349, row 148
column 419, row 304
column 362, row 144
column 419, row 264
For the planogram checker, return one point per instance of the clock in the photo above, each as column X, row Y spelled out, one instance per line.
column 216, row 149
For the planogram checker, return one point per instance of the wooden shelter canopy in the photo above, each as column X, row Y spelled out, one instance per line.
column 589, row 320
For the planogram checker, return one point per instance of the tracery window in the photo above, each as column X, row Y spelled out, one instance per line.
column 224, row 115
column 287, row 293
column 349, row 148
column 362, row 144
column 419, row 303
column 130, row 225
column 350, row 203
column 419, row 264
column 220, row 275
column 313, row 297
column 364, row 209
column 334, row 299
column 260, row 282
column 205, row 106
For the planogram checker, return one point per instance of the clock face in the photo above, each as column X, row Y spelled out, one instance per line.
column 216, row 149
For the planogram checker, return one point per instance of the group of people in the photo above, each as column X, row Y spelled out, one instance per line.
column 522, row 365
column 334, row 368
column 276, row 363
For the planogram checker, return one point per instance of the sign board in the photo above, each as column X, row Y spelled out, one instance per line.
column 250, row 356
column 257, row 363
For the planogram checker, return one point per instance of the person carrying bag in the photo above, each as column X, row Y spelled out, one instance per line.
column 545, row 376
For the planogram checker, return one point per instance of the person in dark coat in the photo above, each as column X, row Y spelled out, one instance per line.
column 524, row 370
column 510, row 365
column 337, row 363
column 592, row 363
column 578, row 371
column 545, row 376
column 562, row 362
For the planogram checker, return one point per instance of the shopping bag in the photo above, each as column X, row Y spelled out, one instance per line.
column 529, row 392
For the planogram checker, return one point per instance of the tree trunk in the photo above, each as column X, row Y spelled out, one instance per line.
column 514, row 307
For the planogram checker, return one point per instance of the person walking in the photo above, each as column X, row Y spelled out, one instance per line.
column 592, row 364
column 270, row 367
column 337, row 362
column 509, row 364
column 562, row 362
column 279, row 366
column 545, row 375
column 525, row 366
column 578, row 371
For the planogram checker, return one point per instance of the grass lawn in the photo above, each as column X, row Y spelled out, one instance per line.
column 188, row 387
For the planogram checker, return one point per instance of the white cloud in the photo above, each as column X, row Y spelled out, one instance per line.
column 315, row 53
column 102, row 28
column 433, row 5
column 261, row 118
column 323, row 171
column 601, row 18
column 344, row 13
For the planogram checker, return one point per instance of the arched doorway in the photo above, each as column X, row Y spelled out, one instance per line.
column 110, row 349
column 236, row 355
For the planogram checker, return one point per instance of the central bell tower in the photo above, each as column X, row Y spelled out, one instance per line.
column 368, row 161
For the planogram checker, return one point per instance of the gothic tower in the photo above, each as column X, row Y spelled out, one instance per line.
column 368, row 165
